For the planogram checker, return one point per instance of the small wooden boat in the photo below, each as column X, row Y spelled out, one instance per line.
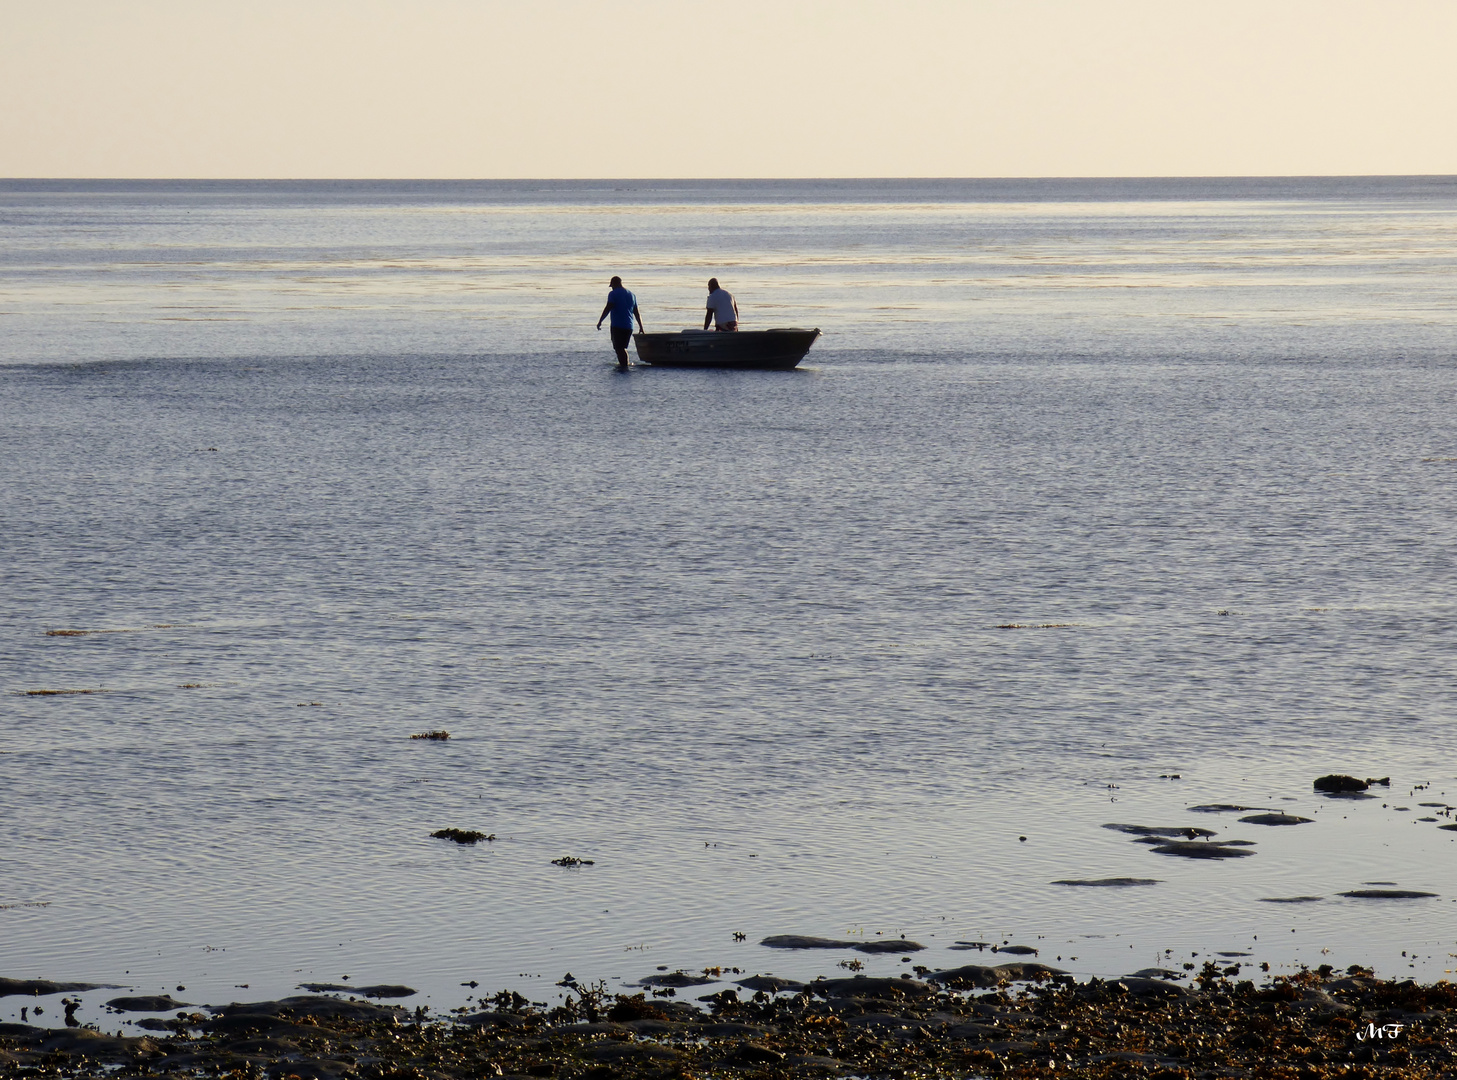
column 774, row 350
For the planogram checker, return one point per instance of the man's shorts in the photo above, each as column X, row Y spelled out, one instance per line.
column 728, row 327
column 621, row 337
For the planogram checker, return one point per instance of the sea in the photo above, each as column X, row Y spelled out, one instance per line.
column 1096, row 502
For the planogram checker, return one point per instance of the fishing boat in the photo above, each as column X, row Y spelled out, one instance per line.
column 774, row 350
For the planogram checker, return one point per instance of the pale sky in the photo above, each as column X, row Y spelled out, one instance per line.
column 738, row 88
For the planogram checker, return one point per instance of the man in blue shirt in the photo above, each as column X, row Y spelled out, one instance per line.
column 622, row 306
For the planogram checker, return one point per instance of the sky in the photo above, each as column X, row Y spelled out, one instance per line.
column 749, row 88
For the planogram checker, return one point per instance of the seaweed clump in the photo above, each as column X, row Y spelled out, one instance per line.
column 462, row 836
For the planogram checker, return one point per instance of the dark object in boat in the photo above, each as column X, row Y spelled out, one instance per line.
column 773, row 350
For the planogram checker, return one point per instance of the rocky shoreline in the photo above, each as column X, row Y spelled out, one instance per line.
column 1017, row 1019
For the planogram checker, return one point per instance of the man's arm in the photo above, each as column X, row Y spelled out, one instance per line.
column 605, row 309
column 640, row 326
column 708, row 316
column 736, row 310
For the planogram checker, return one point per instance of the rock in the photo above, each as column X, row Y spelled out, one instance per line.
column 41, row 987
column 147, row 1003
column 1108, row 882
column 676, row 978
column 322, row 1007
column 1196, row 849
column 1340, row 782
column 1387, row 894
column 726, row 1028
column 800, row 941
column 381, row 991
column 1155, row 973
column 887, row 945
column 1145, row 987
column 1172, row 831
column 771, row 984
column 1223, row 808
column 631, row 1052
column 886, row 1022
column 753, row 1054
column 1290, row 899
column 975, row 976
column 865, row 987
column 155, row 1023
column 1015, row 950
column 491, row 1018
column 1276, row 819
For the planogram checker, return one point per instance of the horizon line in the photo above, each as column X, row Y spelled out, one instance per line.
column 715, row 179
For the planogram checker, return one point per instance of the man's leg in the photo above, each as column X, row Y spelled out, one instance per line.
column 620, row 337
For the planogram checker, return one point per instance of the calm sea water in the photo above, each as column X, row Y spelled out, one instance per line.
column 316, row 467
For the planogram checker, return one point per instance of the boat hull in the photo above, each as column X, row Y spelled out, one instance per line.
column 763, row 350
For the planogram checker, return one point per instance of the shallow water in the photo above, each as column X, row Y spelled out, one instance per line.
column 320, row 467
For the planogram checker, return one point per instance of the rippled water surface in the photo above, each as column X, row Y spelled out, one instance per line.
column 1087, row 484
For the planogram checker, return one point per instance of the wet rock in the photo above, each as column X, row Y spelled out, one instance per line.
column 1015, row 950
column 886, row 1022
column 1340, row 782
column 887, row 945
column 572, row 860
column 1171, row 831
column 1155, row 973
column 1276, row 819
column 716, row 1031
column 770, row 984
column 862, row 986
column 973, row 1030
column 319, row 1008
column 1291, row 899
column 976, row 976
column 1387, row 894
column 753, row 1054
column 676, row 978
column 1203, row 850
column 379, row 991
column 643, row 1052
column 801, row 941
column 491, row 1018
column 432, row 736
column 147, row 1003
column 42, row 987
column 1146, row 987
column 1108, row 882
column 1224, row 808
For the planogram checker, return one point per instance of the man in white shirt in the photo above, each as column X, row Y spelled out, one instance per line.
column 722, row 307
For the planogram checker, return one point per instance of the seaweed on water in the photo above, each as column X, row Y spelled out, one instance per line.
column 462, row 836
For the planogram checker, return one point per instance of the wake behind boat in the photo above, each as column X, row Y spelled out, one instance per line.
column 774, row 350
